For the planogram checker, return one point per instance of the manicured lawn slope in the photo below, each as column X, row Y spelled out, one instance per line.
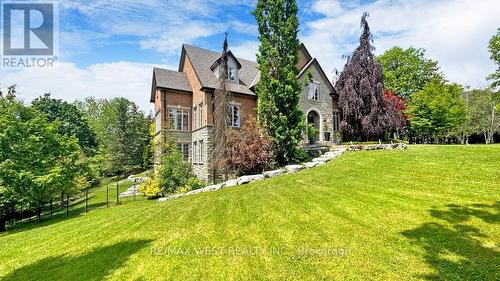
column 431, row 212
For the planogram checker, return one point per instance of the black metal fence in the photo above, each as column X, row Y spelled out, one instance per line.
column 67, row 206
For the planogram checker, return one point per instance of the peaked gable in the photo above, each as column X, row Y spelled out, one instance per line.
column 316, row 64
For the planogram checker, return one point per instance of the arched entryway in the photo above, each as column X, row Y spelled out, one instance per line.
column 314, row 118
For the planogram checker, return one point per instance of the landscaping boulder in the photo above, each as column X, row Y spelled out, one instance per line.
column 231, row 183
column 249, row 179
column 272, row 174
column 320, row 160
column 216, row 187
column 311, row 164
column 175, row 196
column 294, row 168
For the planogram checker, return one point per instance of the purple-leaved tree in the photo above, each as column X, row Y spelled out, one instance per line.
column 361, row 93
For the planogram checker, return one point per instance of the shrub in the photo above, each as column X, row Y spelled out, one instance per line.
column 150, row 188
column 194, row 183
column 250, row 150
column 173, row 171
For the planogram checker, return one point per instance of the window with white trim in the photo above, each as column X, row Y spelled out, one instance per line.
column 195, row 117
column 336, row 121
column 200, row 154
column 179, row 119
column 195, row 152
column 234, row 113
column 200, row 113
column 158, row 122
column 313, row 91
column 184, row 150
column 231, row 73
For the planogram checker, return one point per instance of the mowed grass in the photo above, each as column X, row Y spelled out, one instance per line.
column 430, row 212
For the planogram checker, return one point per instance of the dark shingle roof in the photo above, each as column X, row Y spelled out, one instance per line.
column 203, row 59
column 171, row 80
column 168, row 79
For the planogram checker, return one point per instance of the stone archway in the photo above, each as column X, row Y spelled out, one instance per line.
column 314, row 118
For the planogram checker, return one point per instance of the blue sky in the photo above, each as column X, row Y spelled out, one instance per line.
column 108, row 48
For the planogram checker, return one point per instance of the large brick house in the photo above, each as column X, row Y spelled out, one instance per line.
column 183, row 100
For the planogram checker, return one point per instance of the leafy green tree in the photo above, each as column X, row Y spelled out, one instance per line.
column 407, row 71
column 122, row 131
column 485, row 113
column 36, row 161
column 494, row 48
column 436, row 110
column 278, row 88
column 71, row 120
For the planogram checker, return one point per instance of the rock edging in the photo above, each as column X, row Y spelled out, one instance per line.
column 290, row 169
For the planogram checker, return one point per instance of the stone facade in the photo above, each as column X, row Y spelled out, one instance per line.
column 190, row 90
column 201, row 151
column 321, row 109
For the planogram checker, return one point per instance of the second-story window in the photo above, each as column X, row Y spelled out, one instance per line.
column 313, row 91
column 195, row 117
column 231, row 73
column 200, row 115
column 179, row 119
column 234, row 112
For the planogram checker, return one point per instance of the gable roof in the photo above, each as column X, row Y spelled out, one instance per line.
column 303, row 48
column 229, row 54
column 171, row 80
column 321, row 71
column 203, row 59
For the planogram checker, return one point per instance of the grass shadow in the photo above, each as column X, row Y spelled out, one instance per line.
column 93, row 266
column 456, row 252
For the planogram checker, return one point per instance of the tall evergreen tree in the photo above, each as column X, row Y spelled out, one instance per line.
column 361, row 91
column 278, row 88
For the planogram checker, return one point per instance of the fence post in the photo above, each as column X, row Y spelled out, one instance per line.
column 107, row 195
column 117, row 191
column 51, row 208
column 67, row 206
column 86, row 200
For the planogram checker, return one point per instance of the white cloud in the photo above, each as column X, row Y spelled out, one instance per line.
column 171, row 40
column 69, row 82
column 329, row 8
column 246, row 50
column 454, row 32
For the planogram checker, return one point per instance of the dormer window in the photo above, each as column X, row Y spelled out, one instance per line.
column 231, row 72
column 233, row 67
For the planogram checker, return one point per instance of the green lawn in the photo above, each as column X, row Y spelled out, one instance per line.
column 430, row 212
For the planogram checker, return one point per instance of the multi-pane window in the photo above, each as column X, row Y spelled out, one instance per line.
column 195, row 112
column 158, row 122
column 200, row 115
column 336, row 121
column 179, row 119
column 313, row 91
column 231, row 72
column 184, row 149
column 195, row 152
column 234, row 113
column 200, row 154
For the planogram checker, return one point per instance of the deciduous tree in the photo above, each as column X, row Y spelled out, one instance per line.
column 361, row 89
column 494, row 48
column 37, row 162
column 436, row 110
column 407, row 71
